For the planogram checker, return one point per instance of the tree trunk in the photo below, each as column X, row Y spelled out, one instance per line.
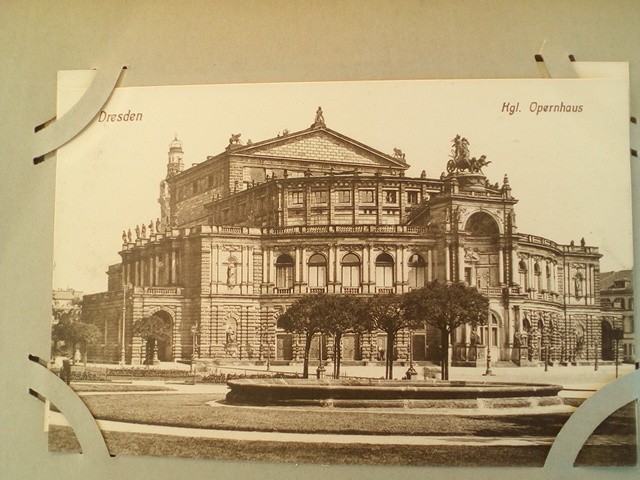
column 307, row 347
column 85, row 357
column 336, row 356
column 444, row 344
column 391, row 337
column 339, row 356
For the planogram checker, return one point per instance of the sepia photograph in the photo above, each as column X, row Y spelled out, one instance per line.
column 421, row 273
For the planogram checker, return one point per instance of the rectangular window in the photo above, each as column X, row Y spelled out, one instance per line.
column 412, row 197
column 297, row 198
column 319, row 197
column 390, row 196
column 344, row 196
column 366, row 196
column 351, row 276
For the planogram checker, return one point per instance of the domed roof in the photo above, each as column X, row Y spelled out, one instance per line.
column 175, row 143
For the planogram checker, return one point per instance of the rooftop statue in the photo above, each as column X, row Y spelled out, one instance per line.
column 319, row 122
column 397, row 153
column 460, row 160
column 235, row 139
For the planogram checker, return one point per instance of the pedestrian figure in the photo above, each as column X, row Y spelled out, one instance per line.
column 65, row 371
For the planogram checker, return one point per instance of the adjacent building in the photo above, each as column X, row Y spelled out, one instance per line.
column 244, row 233
column 617, row 298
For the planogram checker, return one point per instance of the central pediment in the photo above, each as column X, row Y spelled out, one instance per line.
column 320, row 144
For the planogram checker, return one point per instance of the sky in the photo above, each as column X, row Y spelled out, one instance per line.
column 569, row 170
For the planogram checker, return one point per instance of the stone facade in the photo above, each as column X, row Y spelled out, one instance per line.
column 246, row 232
column 617, row 300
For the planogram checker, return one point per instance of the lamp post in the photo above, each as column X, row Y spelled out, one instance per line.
column 125, row 288
column 488, row 372
column 411, row 373
column 618, row 334
column 194, row 332
column 320, row 371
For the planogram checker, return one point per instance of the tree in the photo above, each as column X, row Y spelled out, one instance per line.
column 387, row 313
column 446, row 307
column 152, row 329
column 63, row 326
column 86, row 334
column 342, row 314
column 73, row 332
column 304, row 317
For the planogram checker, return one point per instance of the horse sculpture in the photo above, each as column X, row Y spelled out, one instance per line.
column 459, row 158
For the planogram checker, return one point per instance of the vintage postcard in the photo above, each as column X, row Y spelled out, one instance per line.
column 389, row 273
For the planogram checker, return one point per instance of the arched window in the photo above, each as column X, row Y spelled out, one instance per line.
column 384, row 271
column 284, row 272
column 549, row 283
column 481, row 224
column 490, row 332
column 538, row 276
column 351, row 271
column 317, row 271
column 522, row 271
column 417, row 269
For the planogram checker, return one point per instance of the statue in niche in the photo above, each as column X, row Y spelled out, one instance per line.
column 577, row 281
column 231, row 274
column 230, row 334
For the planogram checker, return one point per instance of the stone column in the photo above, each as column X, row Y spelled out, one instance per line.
column 157, row 275
column 429, row 265
column 265, row 266
column 501, row 266
column 330, row 269
column 460, row 263
column 447, row 261
column 404, row 269
column 250, row 273
column 372, row 272
column 303, row 266
column 515, row 266
column 272, row 267
column 174, row 279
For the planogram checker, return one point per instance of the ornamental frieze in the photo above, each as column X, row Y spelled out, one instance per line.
column 384, row 248
column 352, row 247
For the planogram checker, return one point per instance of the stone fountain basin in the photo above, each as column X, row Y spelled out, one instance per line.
column 366, row 393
